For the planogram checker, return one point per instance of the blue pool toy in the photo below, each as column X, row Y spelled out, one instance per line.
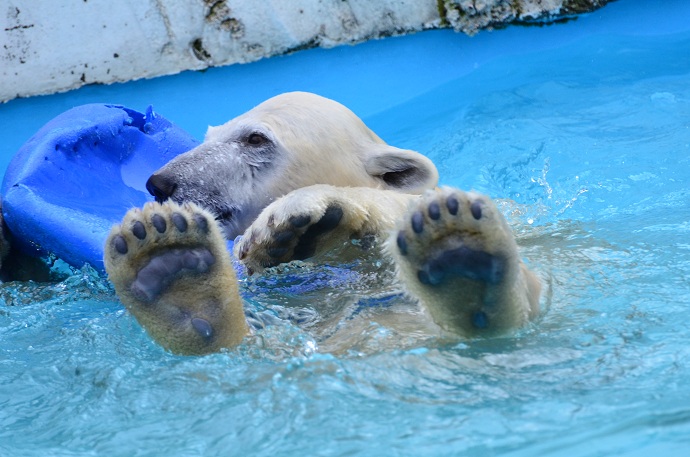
column 80, row 173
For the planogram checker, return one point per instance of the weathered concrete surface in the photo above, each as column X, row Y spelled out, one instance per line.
column 470, row 16
column 50, row 46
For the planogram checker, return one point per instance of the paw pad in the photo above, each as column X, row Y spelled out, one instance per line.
column 480, row 320
column 170, row 267
column 443, row 238
column 417, row 222
column 306, row 245
column 434, row 211
column 203, row 328
column 300, row 221
column 476, row 209
column 179, row 222
column 452, row 204
column 201, row 222
column 139, row 230
column 284, row 237
column 456, row 254
column 159, row 223
column 120, row 244
column 401, row 241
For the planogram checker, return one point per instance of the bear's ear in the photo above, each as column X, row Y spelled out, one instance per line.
column 403, row 170
column 212, row 132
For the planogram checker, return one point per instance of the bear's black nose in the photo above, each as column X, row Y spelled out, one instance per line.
column 161, row 186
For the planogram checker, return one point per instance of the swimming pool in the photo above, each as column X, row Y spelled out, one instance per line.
column 585, row 126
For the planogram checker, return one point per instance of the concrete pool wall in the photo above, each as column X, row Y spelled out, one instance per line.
column 53, row 46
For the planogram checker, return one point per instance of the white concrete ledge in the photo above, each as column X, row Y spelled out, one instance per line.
column 56, row 45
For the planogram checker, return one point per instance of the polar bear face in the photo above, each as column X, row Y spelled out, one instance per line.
column 291, row 141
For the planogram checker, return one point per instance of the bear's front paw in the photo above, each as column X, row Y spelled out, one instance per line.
column 301, row 225
column 170, row 267
column 456, row 253
column 294, row 239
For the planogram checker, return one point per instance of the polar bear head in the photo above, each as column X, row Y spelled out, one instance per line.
column 290, row 141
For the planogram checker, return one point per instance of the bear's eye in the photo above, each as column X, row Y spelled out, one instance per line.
column 256, row 139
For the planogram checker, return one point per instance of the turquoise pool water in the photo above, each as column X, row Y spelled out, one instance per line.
column 583, row 127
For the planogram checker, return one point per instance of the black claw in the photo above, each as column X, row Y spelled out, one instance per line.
column 180, row 222
column 434, row 211
column 203, row 328
column 300, row 221
column 139, row 230
column 159, row 223
column 476, row 209
column 402, row 243
column 201, row 222
column 120, row 244
column 418, row 222
column 452, row 205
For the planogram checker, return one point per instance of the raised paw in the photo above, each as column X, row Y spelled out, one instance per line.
column 296, row 227
column 293, row 239
column 456, row 253
column 170, row 268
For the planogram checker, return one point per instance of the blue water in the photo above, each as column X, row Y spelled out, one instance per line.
column 587, row 139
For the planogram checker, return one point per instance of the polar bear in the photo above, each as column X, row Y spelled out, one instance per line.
column 299, row 177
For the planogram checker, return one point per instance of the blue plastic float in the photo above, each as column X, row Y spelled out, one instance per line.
column 80, row 173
